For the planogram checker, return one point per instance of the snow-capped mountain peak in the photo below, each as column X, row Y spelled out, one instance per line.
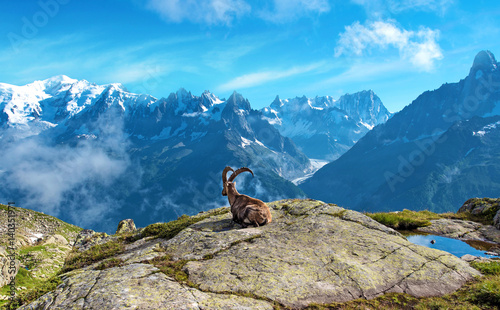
column 62, row 100
column 323, row 127
column 210, row 98
column 59, row 79
column 47, row 103
column 364, row 107
column 53, row 85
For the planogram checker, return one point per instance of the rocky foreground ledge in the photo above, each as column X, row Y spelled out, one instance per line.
column 312, row 253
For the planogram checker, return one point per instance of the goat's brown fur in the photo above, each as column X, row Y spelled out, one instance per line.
column 245, row 209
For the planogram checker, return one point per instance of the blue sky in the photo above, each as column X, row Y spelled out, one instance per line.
column 259, row 48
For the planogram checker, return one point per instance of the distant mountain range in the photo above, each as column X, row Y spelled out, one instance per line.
column 95, row 154
column 436, row 153
column 324, row 128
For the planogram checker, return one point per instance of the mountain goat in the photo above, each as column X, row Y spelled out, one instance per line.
column 246, row 210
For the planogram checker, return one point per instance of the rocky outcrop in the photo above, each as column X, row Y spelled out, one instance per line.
column 487, row 208
column 125, row 226
column 480, row 205
column 88, row 238
column 312, row 252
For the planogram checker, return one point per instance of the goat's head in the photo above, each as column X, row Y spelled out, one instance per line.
column 230, row 187
column 226, row 182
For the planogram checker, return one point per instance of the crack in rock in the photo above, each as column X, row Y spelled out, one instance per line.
column 91, row 288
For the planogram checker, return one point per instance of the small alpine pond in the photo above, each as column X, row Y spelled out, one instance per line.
column 454, row 246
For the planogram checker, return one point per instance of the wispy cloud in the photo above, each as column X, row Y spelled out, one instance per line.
column 439, row 6
column 224, row 12
column 288, row 10
column 259, row 78
column 204, row 12
column 379, row 8
column 225, row 54
column 419, row 47
column 366, row 71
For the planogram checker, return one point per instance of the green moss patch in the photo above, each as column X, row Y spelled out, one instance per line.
column 487, row 268
column 76, row 260
column 171, row 229
column 486, row 293
column 404, row 220
column 110, row 263
column 171, row 268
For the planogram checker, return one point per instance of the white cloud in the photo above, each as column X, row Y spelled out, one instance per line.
column 423, row 54
column 204, row 12
column 418, row 47
column 64, row 180
column 258, row 78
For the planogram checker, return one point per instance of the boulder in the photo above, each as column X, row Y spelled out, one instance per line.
column 56, row 239
column 126, row 226
column 496, row 220
column 472, row 258
column 312, row 253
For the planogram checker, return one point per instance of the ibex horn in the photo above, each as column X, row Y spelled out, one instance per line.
column 235, row 174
